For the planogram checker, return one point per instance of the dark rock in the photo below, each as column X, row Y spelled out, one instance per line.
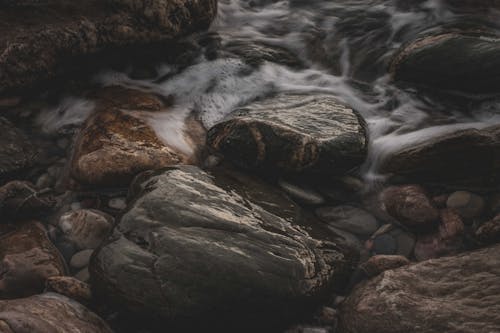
column 48, row 312
column 381, row 263
column 28, row 258
column 256, row 53
column 67, row 248
column 489, row 232
column 349, row 218
column 17, row 152
column 293, row 133
column 83, row 275
column 35, row 47
column 86, row 228
column 195, row 246
column 467, row 205
column 19, row 199
column 448, row 295
column 302, row 194
column 384, row 244
column 410, row 206
column 462, row 61
column 69, row 287
column 115, row 145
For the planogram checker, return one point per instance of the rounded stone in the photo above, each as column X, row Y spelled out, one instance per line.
column 468, row 205
column 349, row 218
column 384, row 244
column 80, row 259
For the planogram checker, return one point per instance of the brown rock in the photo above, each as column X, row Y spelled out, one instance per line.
column 46, row 313
column 86, row 228
column 410, row 205
column 34, row 45
column 380, row 263
column 446, row 295
column 28, row 258
column 116, row 143
column 489, row 232
column 70, row 287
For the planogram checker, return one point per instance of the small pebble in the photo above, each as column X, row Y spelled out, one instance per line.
column 117, row 203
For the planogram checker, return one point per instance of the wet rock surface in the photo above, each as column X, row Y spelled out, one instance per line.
column 450, row 294
column 48, row 312
column 293, row 133
column 211, row 251
column 28, row 258
column 34, row 45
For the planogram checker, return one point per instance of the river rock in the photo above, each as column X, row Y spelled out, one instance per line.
column 430, row 159
column 489, row 232
column 69, row 287
column 293, row 133
column 447, row 240
column 255, row 53
column 196, row 248
column 116, row 144
column 20, row 199
column 35, row 48
column 86, row 228
column 451, row 294
column 49, row 312
column 410, row 206
column 381, row 263
column 80, row 259
column 441, row 61
column 17, row 152
column 467, row 205
column 28, row 258
column 302, row 193
column 349, row 218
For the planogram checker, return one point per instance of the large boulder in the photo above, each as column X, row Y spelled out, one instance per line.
column 293, row 133
column 467, row 61
column 199, row 250
column 464, row 157
column 34, row 45
column 117, row 142
column 28, row 258
column 17, row 152
column 450, row 294
column 48, row 312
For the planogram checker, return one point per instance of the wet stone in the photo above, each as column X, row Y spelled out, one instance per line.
column 349, row 218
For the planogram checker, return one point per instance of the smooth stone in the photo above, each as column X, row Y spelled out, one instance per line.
column 67, row 248
column 384, row 244
column 349, row 218
column 81, row 259
column 405, row 242
column 468, row 205
column 292, row 133
column 117, row 203
column 347, row 237
column 302, row 194
column 447, row 295
column 83, row 275
column 86, row 228
column 69, row 287
column 410, row 206
column 27, row 259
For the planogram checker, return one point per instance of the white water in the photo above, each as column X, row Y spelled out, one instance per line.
column 362, row 33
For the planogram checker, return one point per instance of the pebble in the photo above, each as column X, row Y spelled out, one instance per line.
column 302, row 194
column 468, row 205
column 351, row 219
column 81, row 259
column 117, row 203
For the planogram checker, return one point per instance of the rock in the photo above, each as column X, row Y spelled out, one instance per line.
column 69, row 287
column 400, row 242
column 349, row 218
column 17, row 152
column 194, row 246
column 495, row 203
column 28, row 258
column 36, row 48
column 448, row 240
column 293, row 133
column 405, row 242
column 467, row 205
column 255, row 53
column 302, row 194
column 381, row 263
column 451, row 294
column 117, row 203
column 410, row 205
column 115, row 144
column 429, row 160
column 384, row 244
column 86, row 228
column 48, row 312
column 67, row 248
column 81, row 259
column 20, row 199
column 439, row 61
column 489, row 232
column 83, row 275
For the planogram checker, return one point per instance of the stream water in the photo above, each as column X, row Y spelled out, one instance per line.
column 344, row 48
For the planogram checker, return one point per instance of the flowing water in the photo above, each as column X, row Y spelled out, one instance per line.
column 343, row 47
